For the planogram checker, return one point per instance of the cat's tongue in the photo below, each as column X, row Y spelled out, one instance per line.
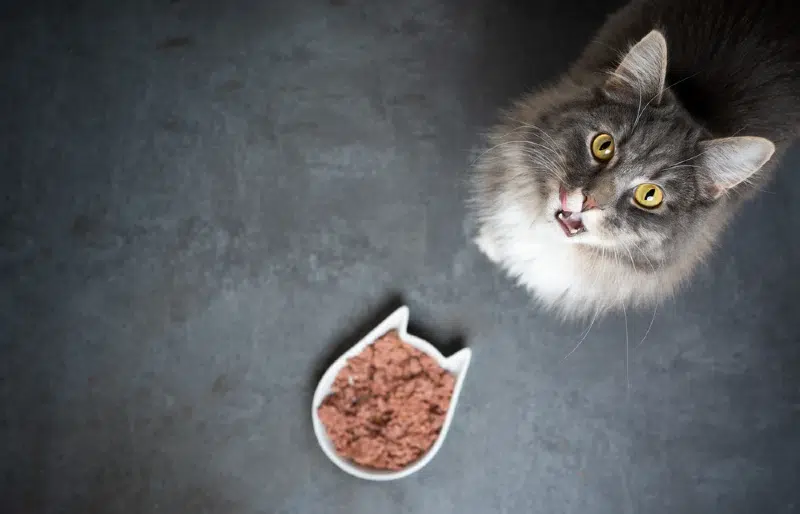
column 570, row 221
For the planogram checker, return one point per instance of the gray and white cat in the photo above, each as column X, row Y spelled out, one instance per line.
column 606, row 189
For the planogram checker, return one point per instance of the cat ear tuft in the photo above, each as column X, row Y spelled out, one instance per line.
column 733, row 160
column 643, row 70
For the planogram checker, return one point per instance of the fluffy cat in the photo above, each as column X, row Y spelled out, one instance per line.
column 606, row 189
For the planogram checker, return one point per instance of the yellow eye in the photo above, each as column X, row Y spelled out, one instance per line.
column 648, row 196
column 603, row 147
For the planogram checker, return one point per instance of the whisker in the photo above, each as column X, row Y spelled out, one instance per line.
column 738, row 131
column 522, row 126
column 540, row 145
column 649, row 326
column 639, row 109
column 655, row 308
column 585, row 335
column 645, row 256
column 553, row 167
column 682, row 166
column 627, row 373
column 690, row 158
column 548, row 167
column 478, row 158
column 656, row 96
column 543, row 134
column 528, row 125
column 693, row 75
column 633, row 263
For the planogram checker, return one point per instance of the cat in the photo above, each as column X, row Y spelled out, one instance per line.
column 607, row 188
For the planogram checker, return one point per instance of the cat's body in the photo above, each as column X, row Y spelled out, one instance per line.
column 701, row 114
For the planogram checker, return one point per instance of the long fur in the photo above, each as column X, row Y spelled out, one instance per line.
column 732, row 70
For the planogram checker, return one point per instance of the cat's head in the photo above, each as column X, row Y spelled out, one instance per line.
column 621, row 165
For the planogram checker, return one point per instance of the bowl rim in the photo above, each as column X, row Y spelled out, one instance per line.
column 458, row 364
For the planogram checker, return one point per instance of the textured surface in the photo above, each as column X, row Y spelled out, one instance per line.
column 203, row 201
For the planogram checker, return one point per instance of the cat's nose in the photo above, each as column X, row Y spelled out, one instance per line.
column 588, row 203
column 571, row 201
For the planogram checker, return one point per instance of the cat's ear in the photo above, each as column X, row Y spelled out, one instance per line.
column 730, row 161
column 643, row 70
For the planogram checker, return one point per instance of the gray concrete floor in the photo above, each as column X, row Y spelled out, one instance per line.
column 203, row 201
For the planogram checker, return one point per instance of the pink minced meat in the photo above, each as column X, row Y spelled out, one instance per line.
column 387, row 405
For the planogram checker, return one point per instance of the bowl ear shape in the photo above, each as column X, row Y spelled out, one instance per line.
column 457, row 364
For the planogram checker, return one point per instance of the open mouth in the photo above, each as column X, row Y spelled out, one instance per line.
column 570, row 222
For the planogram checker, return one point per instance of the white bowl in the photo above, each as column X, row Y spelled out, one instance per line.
column 457, row 364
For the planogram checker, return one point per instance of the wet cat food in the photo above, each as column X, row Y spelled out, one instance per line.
column 387, row 405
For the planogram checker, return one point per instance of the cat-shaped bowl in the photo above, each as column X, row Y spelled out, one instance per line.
column 457, row 364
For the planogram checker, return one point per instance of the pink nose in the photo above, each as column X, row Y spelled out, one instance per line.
column 575, row 201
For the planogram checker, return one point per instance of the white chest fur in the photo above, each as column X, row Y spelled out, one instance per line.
column 554, row 269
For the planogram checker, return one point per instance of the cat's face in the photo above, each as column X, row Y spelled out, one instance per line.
column 615, row 181
column 621, row 166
